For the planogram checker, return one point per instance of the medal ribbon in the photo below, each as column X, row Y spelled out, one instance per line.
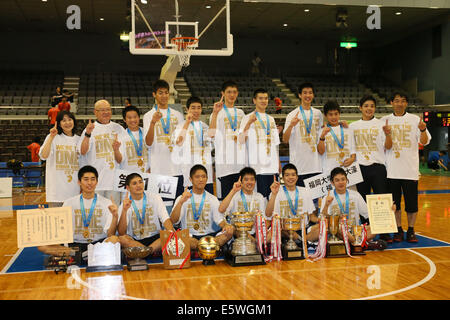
column 198, row 212
column 341, row 143
column 165, row 124
column 293, row 208
column 199, row 137
column 87, row 221
column 266, row 129
column 136, row 210
column 347, row 202
column 244, row 202
column 321, row 249
column 141, row 141
column 233, row 123
column 275, row 250
column 308, row 126
column 344, row 230
column 261, row 236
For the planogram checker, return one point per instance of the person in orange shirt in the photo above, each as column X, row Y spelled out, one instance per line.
column 52, row 113
column 64, row 105
column 34, row 148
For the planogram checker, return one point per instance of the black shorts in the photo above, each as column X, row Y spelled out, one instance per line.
column 210, row 234
column 148, row 241
column 375, row 179
column 409, row 188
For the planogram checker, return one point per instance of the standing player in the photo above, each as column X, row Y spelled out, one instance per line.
column 301, row 131
column 336, row 144
column 402, row 162
column 96, row 143
column 159, row 125
column 192, row 137
column 259, row 131
column 224, row 124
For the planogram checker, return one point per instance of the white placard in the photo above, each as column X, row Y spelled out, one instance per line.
column 5, row 187
column 165, row 186
column 320, row 184
column 104, row 254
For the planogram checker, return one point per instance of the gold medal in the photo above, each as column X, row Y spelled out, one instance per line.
column 170, row 148
column 142, row 231
column 308, row 139
column 86, row 233
column 69, row 178
column 196, row 226
column 342, row 155
column 367, row 157
column 140, row 162
column 111, row 165
column 397, row 154
column 269, row 141
column 313, row 149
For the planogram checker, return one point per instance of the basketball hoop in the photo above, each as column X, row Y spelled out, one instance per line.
column 185, row 47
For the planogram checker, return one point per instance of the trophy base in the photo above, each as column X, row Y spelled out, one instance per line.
column 336, row 250
column 245, row 260
column 208, row 262
column 357, row 251
column 137, row 265
column 292, row 254
column 117, row 267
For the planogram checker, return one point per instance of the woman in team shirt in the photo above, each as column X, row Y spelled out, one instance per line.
column 372, row 138
column 62, row 160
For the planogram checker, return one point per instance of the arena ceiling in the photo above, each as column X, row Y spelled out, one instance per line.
column 267, row 20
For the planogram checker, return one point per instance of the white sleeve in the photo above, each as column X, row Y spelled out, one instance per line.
column 161, row 208
column 361, row 206
column 108, row 214
column 217, row 216
column 351, row 140
column 276, row 206
column 182, row 210
column 309, row 203
column 287, row 122
column 51, row 148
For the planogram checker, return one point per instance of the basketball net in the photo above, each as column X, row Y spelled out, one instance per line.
column 185, row 47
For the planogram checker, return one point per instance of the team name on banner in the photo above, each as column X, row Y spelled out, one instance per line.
column 320, row 184
column 165, row 186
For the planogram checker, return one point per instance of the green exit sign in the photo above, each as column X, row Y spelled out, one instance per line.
column 349, row 44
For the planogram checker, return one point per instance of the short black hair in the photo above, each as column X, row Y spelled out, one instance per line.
column 400, row 94
column 305, row 85
column 331, row 105
column 193, row 99
column 259, row 90
column 130, row 177
column 195, row 168
column 367, row 98
column 247, row 171
column 128, row 109
column 288, row 166
column 60, row 117
column 87, row 169
column 160, row 83
column 336, row 171
column 229, row 83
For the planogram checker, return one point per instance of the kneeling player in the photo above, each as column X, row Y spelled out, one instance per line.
column 198, row 209
column 141, row 214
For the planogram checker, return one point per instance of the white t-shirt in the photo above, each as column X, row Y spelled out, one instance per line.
column 262, row 150
column 130, row 159
column 191, row 152
column 303, row 146
column 155, row 216
column 357, row 207
column 100, row 154
column 402, row 160
column 230, row 155
column 160, row 151
column 99, row 223
column 255, row 203
column 209, row 214
column 369, row 139
column 330, row 158
column 61, row 169
column 305, row 203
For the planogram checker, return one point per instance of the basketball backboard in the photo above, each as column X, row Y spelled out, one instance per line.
column 157, row 24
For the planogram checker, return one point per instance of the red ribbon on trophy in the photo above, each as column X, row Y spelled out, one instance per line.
column 172, row 235
column 364, row 236
column 344, row 231
column 275, row 250
column 305, row 247
column 321, row 249
column 261, row 235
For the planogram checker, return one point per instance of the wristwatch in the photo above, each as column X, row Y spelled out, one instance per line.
column 87, row 134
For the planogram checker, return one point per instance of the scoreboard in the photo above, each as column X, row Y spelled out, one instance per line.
column 437, row 119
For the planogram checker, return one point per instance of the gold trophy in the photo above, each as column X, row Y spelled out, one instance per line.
column 290, row 249
column 356, row 247
column 135, row 258
column 208, row 249
column 335, row 246
column 244, row 251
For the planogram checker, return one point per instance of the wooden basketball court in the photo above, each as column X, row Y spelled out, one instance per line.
column 405, row 274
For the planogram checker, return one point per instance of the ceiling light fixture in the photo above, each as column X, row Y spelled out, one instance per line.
column 208, row 7
column 285, row 25
column 398, row 13
column 306, row 10
column 101, row 19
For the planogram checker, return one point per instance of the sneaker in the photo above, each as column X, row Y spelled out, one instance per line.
column 376, row 245
column 398, row 237
column 386, row 237
column 411, row 237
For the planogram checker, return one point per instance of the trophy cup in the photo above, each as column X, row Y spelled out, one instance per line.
column 244, row 252
column 290, row 249
column 356, row 248
column 135, row 258
column 335, row 247
column 208, row 249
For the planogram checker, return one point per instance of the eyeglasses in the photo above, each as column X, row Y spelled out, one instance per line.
column 103, row 110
